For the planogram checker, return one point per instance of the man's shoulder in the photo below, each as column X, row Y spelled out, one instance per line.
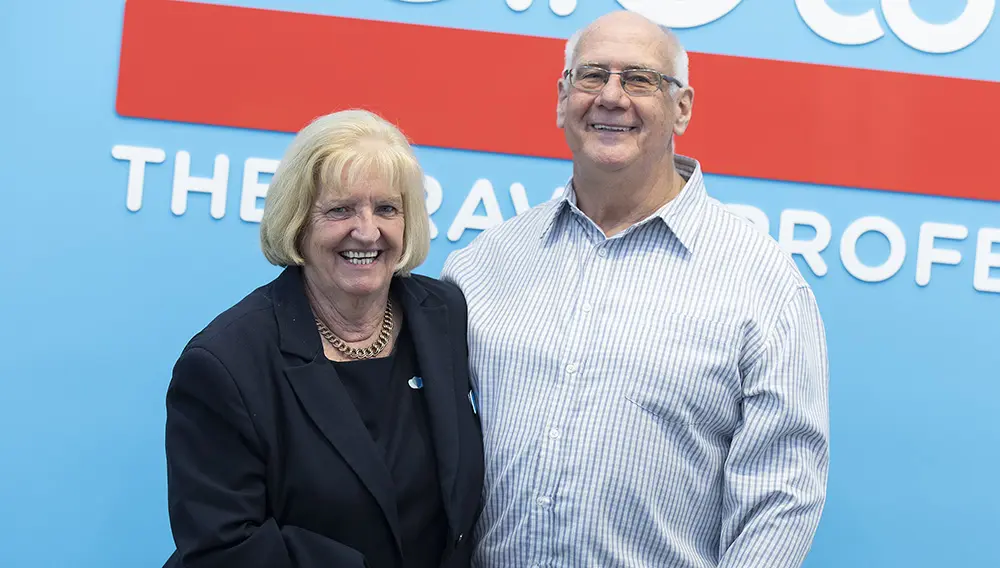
column 509, row 236
column 525, row 225
column 759, row 253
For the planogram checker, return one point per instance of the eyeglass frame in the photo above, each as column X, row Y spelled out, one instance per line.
column 568, row 75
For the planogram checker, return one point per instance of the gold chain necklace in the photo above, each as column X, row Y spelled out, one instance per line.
column 363, row 352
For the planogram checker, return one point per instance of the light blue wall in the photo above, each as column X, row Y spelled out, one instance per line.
column 96, row 300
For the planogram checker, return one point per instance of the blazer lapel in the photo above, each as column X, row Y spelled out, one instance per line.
column 427, row 318
column 324, row 398
column 327, row 403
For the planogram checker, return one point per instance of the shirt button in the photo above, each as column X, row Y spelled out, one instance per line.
column 554, row 433
column 585, row 308
column 571, row 368
column 602, row 252
column 543, row 501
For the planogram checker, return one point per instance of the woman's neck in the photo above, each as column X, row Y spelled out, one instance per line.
column 354, row 319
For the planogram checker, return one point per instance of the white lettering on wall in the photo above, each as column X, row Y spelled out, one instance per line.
column 928, row 254
column 842, row 29
column 986, row 260
column 917, row 33
column 482, row 192
column 433, row 196
column 986, row 273
column 818, row 15
column 910, row 28
column 808, row 249
column 839, row 28
column 849, row 243
column 137, row 158
column 558, row 7
column 681, row 13
column 185, row 183
column 253, row 189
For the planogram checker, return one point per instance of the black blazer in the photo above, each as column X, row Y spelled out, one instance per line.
column 269, row 464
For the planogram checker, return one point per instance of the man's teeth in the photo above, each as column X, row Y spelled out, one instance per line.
column 360, row 257
column 611, row 128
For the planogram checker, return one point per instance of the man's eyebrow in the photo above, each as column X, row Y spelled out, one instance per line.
column 625, row 68
column 637, row 66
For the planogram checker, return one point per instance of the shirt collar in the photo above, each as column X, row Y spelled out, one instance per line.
column 682, row 214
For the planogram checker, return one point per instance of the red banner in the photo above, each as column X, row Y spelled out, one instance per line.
column 272, row 70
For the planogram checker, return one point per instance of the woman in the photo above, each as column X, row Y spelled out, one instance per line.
column 325, row 419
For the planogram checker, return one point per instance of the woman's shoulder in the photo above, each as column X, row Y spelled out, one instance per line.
column 447, row 292
column 234, row 350
column 240, row 326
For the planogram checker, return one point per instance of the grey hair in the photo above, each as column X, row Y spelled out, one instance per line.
column 680, row 60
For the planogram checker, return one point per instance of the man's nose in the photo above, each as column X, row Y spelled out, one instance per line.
column 613, row 95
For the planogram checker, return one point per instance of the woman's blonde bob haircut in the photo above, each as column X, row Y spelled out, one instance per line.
column 335, row 152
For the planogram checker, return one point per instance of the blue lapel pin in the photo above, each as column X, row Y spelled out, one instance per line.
column 472, row 401
column 416, row 383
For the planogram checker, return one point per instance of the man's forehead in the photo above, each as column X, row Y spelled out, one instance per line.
column 621, row 64
column 623, row 47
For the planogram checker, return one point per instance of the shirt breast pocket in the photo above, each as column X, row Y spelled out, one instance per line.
column 690, row 374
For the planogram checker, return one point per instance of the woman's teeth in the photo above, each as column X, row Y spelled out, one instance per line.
column 360, row 257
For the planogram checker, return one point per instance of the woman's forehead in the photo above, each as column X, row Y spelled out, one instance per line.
column 363, row 186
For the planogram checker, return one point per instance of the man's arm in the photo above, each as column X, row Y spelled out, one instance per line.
column 449, row 272
column 776, row 471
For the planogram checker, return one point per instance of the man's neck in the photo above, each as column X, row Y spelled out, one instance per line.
column 615, row 201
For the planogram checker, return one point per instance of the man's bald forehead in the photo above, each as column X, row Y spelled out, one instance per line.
column 623, row 17
column 632, row 22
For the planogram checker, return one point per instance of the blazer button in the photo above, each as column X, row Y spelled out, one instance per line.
column 458, row 540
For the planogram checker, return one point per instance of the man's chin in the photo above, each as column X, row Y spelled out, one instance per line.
column 610, row 163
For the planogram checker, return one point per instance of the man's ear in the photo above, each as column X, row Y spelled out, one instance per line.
column 562, row 94
column 684, row 102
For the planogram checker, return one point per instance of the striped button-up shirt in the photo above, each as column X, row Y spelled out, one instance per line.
column 656, row 398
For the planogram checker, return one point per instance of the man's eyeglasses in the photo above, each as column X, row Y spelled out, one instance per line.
column 639, row 82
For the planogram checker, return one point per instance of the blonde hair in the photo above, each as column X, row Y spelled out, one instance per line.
column 336, row 150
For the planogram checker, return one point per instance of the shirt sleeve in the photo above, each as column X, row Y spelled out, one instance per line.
column 449, row 272
column 776, row 472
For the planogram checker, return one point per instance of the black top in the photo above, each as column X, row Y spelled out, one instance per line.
column 395, row 415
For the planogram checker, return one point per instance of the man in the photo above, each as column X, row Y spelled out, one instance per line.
column 651, row 370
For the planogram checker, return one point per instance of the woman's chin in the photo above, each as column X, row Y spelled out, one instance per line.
column 365, row 286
